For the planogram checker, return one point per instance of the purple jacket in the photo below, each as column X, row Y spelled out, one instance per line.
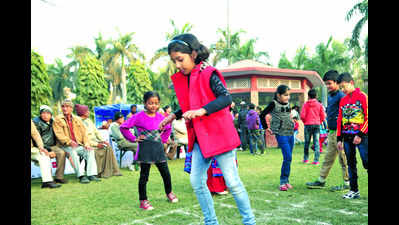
column 253, row 120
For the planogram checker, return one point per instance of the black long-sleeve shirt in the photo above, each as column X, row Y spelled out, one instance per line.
column 223, row 97
column 266, row 111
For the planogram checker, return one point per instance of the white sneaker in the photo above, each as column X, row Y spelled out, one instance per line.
column 351, row 195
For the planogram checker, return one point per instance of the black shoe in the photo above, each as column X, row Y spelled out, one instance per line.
column 315, row 185
column 62, row 181
column 93, row 178
column 84, row 180
column 50, row 185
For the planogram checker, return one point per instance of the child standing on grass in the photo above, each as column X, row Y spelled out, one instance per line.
column 312, row 115
column 150, row 147
column 352, row 129
column 334, row 96
column 204, row 102
column 283, row 127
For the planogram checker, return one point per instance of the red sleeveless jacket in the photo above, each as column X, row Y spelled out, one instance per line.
column 215, row 133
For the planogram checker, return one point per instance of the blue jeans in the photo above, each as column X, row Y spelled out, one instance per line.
column 350, row 152
column 253, row 140
column 198, row 178
column 312, row 131
column 286, row 143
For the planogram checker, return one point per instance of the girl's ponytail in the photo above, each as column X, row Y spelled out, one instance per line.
column 203, row 54
column 186, row 43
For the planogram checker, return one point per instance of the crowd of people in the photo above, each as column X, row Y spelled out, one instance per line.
column 206, row 116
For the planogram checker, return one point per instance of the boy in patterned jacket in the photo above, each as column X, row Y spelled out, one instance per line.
column 352, row 129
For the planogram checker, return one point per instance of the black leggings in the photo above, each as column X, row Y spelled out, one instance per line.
column 144, row 173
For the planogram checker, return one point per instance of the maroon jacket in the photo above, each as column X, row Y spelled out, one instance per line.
column 215, row 133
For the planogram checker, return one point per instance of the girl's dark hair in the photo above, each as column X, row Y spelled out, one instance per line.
column 281, row 89
column 166, row 107
column 150, row 94
column 187, row 43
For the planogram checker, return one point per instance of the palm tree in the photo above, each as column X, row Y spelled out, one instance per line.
column 363, row 9
column 60, row 77
column 114, row 62
column 78, row 54
column 163, row 52
column 221, row 49
column 247, row 51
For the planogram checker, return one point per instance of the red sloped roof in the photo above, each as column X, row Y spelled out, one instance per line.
column 252, row 67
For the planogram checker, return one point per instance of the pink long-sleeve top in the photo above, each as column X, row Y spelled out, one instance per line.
column 144, row 122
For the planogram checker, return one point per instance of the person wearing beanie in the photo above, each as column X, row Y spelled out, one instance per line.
column 120, row 140
column 72, row 138
column 39, row 155
column 107, row 165
column 44, row 124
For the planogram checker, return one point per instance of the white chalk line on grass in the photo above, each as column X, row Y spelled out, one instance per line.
column 143, row 221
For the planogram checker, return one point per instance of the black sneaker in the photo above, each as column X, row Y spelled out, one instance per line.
column 84, row 180
column 93, row 178
column 50, row 185
column 62, row 181
column 315, row 185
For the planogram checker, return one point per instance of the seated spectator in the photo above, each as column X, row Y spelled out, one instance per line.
column 107, row 165
column 105, row 124
column 44, row 125
column 72, row 137
column 41, row 156
column 120, row 140
column 133, row 110
column 180, row 134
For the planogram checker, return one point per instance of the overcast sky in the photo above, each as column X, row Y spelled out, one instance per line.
column 280, row 26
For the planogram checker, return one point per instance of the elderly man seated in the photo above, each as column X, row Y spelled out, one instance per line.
column 41, row 156
column 44, row 125
column 72, row 137
column 180, row 134
column 107, row 165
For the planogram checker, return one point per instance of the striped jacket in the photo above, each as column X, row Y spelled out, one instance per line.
column 352, row 116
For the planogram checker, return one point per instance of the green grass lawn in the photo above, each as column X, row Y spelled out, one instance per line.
column 115, row 200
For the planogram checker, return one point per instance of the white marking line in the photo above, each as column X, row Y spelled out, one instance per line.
column 299, row 205
column 343, row 211
column 269, row 192
column 143, row 221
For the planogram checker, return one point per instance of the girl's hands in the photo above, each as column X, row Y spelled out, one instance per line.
column 140, row 138
column 191, row 114
column 166, row 121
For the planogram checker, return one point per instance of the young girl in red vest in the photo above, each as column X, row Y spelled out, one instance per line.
column 204, row 100
column 150, row 149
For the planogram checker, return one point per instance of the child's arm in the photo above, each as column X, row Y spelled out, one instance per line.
column 364, row 127
column 124, row 128
column 263, row 114
column 166, row 133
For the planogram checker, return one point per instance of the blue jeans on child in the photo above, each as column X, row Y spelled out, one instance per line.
column 286, row 143
column 312, row 131
column 198, row 178
column 253, row 140
column 350, row 152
